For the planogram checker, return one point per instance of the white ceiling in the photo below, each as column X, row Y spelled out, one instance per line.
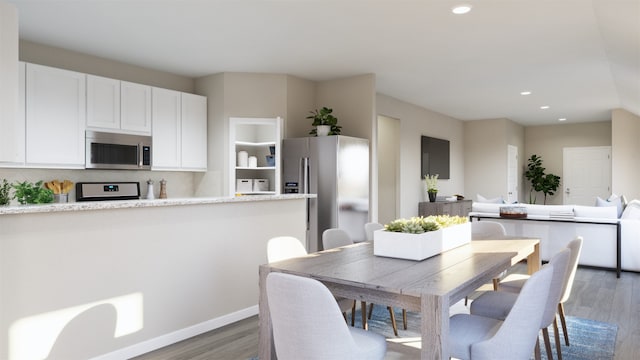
column 580, row 57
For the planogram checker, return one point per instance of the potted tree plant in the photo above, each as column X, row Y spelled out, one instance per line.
column 325, row 123
column 546, row 183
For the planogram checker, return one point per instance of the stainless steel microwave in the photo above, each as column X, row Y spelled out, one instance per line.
column 105, row 150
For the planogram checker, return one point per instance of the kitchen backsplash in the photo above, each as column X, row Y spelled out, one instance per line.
column 179, row 184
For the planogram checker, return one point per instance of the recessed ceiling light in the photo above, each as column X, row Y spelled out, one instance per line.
column 562, row 119
column 461, row 9
column 544, row 107
column 525, row 93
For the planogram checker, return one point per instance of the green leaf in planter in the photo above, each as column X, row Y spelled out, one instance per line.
column 419, row 225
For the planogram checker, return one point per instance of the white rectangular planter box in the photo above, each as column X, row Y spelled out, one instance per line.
column 420, row 246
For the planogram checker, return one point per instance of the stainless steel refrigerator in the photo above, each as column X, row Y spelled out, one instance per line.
column 336, row 168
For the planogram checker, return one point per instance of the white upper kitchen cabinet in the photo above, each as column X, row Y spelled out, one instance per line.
column 103, row 103
column 179, row 131
column 120, row 106
column 11, row 122
column 165, row 115
column 135, row 107
column 194, row 132
column 55, row 117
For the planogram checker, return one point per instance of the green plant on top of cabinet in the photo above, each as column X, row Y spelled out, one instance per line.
column 259, row 138
column 324, row 122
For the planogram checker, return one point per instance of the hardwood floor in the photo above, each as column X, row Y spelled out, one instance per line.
column 596, row 295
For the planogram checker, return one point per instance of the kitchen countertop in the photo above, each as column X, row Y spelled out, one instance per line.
column 125, row 204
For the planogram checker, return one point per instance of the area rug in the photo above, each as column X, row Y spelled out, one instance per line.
column 589, row 339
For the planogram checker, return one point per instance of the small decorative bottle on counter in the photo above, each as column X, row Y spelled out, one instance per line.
column 163, row 189
column 150, row 189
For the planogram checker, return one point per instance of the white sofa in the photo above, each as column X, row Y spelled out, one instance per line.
column 598, row 225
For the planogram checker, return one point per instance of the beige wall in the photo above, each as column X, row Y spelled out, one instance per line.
column 548, row 141
column 301, row 98
column 625, row 133
column 485, row 156
column 211, row 182
column 414, row 122
column 353, row 102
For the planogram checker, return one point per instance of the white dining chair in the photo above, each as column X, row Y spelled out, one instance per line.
column 487, row 230
column 284, row 247
column 514, row 282
column 287, row 247
column 482, row 338
column 335, row 238
column 498, row 304
column 369, row 229
column 307, row 325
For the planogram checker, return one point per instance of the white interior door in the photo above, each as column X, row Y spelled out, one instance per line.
column 512, row 174
column 587, row 174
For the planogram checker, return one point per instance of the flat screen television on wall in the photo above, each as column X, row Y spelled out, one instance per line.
column 435, row 157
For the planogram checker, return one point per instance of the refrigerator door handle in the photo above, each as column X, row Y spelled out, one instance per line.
column 304, row 164
column 305, row 175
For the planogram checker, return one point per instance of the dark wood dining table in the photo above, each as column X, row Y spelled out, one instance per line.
column 429, row 286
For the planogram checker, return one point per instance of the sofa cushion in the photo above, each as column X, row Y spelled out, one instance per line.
column 632, row 210
column 616, row 201
column 545, row 210
column 482, row 199
column 490, row 208
column 595, row 212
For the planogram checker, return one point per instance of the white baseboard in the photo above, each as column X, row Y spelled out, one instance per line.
column 179, row 335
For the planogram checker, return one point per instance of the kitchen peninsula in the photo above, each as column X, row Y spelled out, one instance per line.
column 114, row 279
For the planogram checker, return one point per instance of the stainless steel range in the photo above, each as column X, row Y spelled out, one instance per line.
column 98, row 191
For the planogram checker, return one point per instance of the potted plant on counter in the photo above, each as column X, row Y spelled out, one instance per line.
column 30, row 193
column 5, row 188
column 325, row 123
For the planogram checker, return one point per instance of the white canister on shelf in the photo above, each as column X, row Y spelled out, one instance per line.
column 242, row 157
column 253, row 161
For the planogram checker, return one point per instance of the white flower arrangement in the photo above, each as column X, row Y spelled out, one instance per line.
column 432, row 183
